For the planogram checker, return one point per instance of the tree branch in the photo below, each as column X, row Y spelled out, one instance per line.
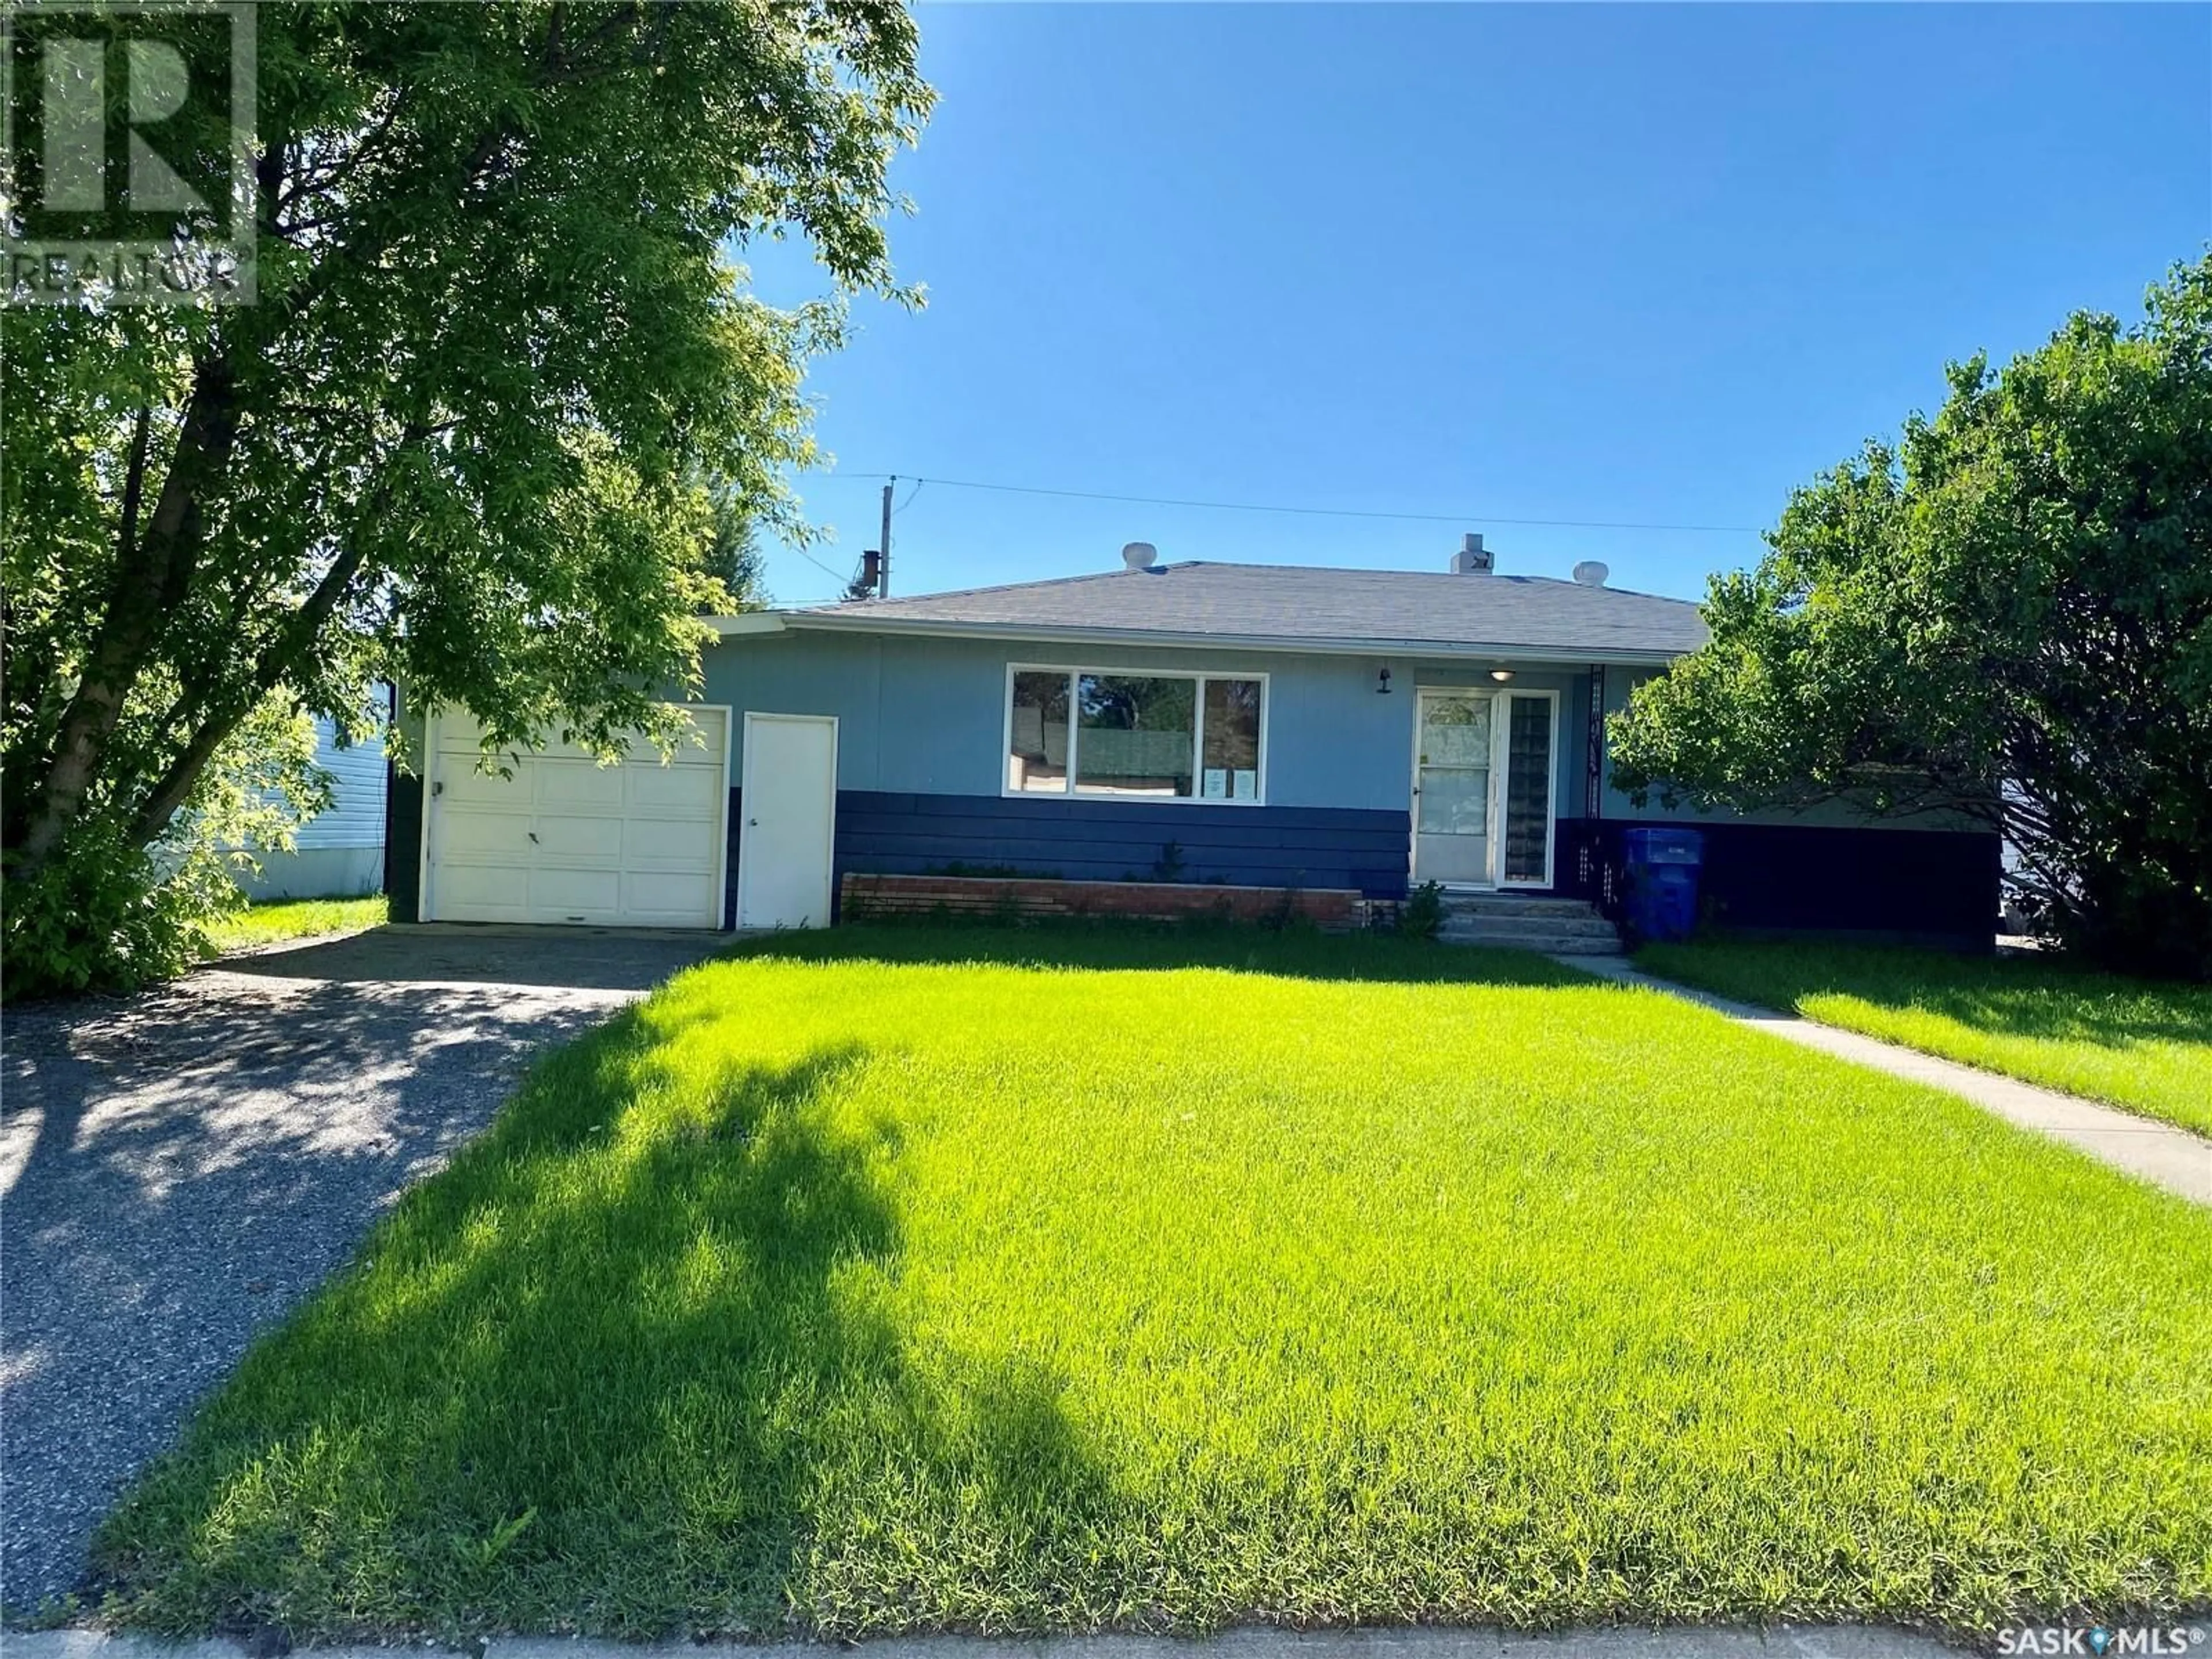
column 134, row 486
column 284, row 653
column 282, row 656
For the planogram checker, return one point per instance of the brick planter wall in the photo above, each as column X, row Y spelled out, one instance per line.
column 1332, row 909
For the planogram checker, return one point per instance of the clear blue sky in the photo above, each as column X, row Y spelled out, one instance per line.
column 1654, row 265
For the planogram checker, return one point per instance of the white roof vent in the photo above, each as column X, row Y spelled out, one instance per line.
column 1591, row 574
column 1473, row 559
column 1138, row 555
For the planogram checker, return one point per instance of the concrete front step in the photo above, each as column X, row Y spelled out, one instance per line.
column 1554, row 944
column 1587, row 926
column 1523, row 922
column 1515, row 904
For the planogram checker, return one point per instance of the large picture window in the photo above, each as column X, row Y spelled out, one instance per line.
column 1143, row 737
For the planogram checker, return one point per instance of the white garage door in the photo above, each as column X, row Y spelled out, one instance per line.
column 638, row 844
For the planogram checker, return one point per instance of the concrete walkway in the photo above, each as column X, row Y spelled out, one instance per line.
column 1614, row 1642
column 2156, row 1152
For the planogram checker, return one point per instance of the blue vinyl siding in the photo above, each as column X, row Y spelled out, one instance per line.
column 927, row 716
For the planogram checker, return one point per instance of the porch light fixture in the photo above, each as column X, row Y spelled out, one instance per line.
column 1501, row 675
column 1382, row 682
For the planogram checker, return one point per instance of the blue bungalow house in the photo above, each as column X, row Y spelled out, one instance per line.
column 1233, row 725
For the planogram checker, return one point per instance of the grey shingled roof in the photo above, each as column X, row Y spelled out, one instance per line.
column 1299, row 605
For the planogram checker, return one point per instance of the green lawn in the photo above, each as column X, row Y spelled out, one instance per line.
column 900, row 1280
column 2136, row 1044
column 271, row 923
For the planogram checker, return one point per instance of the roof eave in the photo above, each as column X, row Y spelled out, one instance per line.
column 835, row 621
column 748, row 622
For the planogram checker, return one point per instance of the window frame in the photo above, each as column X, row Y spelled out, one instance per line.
column 1076, row 791
column 1504, row 752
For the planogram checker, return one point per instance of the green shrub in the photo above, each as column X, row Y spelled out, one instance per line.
column 1422, row 915
column 102, row 916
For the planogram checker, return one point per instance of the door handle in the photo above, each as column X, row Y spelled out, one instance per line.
column 752, row 823
column 532, row 833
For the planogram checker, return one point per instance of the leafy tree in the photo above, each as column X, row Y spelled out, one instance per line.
column 733, row 553
column 459, row 438
column 2008, row 614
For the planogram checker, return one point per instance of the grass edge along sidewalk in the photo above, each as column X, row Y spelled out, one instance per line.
column 2141, row 1045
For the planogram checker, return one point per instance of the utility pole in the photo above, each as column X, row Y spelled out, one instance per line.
column 883, row 568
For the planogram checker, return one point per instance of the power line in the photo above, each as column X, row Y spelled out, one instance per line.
column 817, row 564
column 1303, row 512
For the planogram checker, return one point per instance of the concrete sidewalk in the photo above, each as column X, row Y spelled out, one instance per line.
column 1612, row 1642
column 2156, row 1152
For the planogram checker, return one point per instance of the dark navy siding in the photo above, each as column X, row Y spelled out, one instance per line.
column 403, row 844
column 881, row 833
column 729, row 861
column 888, row 834
column 1938, row 887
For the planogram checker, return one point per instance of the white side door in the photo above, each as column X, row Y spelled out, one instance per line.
column 789, row 800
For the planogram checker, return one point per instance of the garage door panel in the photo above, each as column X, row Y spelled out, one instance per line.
column 484, row 837
column 558, row 891
column 488, row 792
column 692, row 791
column 568, row 785
column 458, row 735
column 482, row 892
column 667, row 895
column 666, row 843
column 704, row 745
column 570, row 840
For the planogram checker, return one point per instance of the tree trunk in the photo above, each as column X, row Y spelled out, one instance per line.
column 152, row 573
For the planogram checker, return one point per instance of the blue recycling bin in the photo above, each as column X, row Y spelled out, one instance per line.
column 1663, row 865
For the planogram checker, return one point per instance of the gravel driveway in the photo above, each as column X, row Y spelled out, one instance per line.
column 179, row 1169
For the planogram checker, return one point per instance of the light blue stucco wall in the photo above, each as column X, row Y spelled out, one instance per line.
column 927, row 715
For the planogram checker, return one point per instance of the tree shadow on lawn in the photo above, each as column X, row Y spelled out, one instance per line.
column 2088, row 1011
column 2047, row 1002
column 1121, row 945
column 633, row 1364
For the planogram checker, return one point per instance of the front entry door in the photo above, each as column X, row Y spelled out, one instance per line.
column 789, row 799
column 1482, row 788
column 1451, row 789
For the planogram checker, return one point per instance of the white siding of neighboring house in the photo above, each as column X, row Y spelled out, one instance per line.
column 341, row 851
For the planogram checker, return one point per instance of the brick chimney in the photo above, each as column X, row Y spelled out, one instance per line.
column 1473, row 559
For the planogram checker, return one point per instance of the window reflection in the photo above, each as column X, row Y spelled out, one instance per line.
column 1134, row 733
column 1230, row 767
column 1036, row 744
